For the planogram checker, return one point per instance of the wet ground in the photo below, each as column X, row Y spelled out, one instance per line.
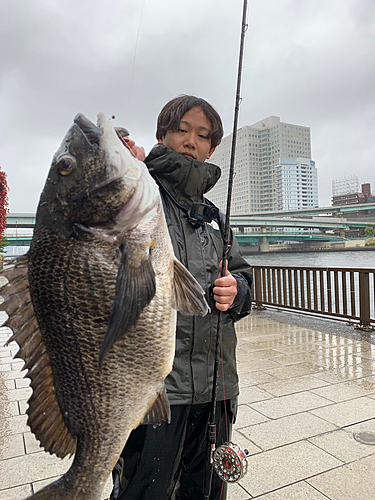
column 306, row 414
column 304, row 320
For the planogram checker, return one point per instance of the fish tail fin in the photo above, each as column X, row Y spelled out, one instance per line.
column 188, row 295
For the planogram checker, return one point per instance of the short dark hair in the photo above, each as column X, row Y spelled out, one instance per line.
column 170, row 117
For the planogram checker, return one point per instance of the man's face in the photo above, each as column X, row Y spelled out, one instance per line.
column 192, row 138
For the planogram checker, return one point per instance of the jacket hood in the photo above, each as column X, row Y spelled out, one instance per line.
column 185, row 178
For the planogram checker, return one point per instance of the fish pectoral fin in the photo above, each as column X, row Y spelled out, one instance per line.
column 159, row 411
column 135, row 288
column 188, row 295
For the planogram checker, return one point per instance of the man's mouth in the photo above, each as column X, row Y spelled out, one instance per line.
column 189, row 155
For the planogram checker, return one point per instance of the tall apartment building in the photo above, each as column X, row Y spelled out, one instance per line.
column 296, row 184
column 259, row 149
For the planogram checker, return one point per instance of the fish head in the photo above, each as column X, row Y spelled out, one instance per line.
column 92, row 178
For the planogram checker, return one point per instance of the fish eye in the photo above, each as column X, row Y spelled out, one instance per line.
column 66, row 166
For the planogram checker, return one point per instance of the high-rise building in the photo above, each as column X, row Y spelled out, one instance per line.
column 258, row 152
column 296, row 184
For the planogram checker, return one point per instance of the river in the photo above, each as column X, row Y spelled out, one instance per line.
column 352, row 258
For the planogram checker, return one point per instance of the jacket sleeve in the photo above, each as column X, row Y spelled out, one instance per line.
column 241, row 271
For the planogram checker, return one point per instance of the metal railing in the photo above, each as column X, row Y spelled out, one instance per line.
column 336, row 292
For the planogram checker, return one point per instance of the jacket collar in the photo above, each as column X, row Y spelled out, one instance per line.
column 186, row 179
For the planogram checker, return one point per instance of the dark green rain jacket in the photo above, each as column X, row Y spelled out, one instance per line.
column 200, row 250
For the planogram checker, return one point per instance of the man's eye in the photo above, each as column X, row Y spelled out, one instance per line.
column 203, row 136
column 181, row 130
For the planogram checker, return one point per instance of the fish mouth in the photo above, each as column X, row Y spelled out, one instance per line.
column 92, row 132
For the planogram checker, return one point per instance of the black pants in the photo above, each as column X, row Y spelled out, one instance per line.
column 168, row 462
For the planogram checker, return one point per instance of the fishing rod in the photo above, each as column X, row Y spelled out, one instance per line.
column 228, row 460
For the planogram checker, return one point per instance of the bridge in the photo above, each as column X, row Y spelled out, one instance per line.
column 306, row 218
column 302, row 218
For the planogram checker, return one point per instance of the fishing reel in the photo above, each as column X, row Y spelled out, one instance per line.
column 230, row 462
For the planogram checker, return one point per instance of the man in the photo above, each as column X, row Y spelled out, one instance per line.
column 169, row 461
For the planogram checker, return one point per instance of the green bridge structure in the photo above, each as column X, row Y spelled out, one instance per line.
column 305, row 222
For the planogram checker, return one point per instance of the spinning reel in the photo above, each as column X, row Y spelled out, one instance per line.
column 230, row 462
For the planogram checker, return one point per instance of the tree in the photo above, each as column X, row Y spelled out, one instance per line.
column 3, row 212
column 369, row 232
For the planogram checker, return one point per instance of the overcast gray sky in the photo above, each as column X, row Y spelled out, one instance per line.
column 310, row 62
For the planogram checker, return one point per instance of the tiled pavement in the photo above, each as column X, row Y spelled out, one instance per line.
column 304, row 396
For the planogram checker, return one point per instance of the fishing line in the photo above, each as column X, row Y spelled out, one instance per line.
column 134, row 58
column 229, row 460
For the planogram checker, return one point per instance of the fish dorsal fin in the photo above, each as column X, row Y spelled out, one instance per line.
column 188, row 295
column 135, row 288
column 44, row 415
column 159, row 411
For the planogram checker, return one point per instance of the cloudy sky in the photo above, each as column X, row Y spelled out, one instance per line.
column 309, row 62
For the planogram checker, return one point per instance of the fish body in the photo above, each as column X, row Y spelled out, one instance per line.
column 93, row 307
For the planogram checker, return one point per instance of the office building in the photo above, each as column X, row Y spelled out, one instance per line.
column 259, row 150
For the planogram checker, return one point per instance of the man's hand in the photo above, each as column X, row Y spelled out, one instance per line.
column 225, row 290
column 136, row 151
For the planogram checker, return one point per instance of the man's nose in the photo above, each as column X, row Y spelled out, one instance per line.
column 190, row 140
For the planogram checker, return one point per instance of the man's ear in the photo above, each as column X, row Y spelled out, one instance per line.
column 160, row 141
column 210, row 153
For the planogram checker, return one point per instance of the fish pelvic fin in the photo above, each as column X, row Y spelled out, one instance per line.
column 44, row 415
column 159, row 411
column 188, row 295
column 135, row 288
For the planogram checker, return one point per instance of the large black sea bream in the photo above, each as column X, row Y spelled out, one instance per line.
column 93, row 306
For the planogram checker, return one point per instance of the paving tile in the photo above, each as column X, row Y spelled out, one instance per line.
column 252, row 394
column 21, row 383
column 31, row 443
column 257, row 365
column 244, row 355
column 14, row 374
column 16, row 493
column 346, row 390
column 290, row 404
column 23, row 406
column 267, row 344
column 10, row 410
column 243, row 441
column 346, row 373
column 351, row 482
column 19, row 394
column 286, row 430
column 294, row 349
column 292, row 359
column 15, row 425
column 236, row 492
column 29, row 468
column 295, row 370
column 283, row 466
column 347, row 412
column 11, row 446
column 297, row 491
column 342, row 445
column 254, row 378
column 292, row 385
column 332, row 362
column 9, row 384
column 247, row 416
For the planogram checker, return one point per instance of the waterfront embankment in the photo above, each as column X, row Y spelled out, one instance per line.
column 316, row 246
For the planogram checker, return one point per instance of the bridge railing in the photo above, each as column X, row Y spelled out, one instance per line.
column 344, row 293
